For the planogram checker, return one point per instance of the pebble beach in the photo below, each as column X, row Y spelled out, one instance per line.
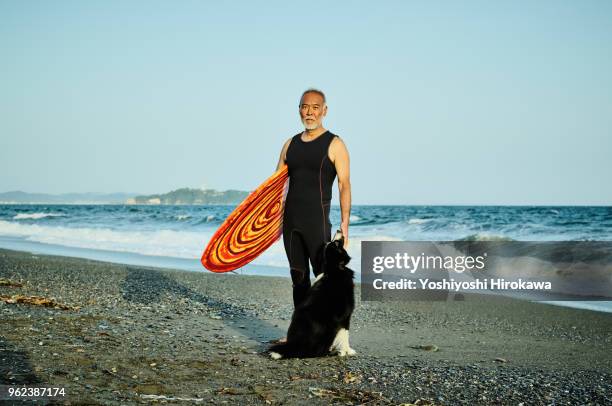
column 115, row 334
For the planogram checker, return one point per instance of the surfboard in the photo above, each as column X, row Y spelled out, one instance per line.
column 251, row 227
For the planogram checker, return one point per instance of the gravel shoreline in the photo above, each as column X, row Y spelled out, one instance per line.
column 147, row 335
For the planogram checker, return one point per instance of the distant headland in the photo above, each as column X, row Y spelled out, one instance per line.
column 191, row 196
column 185, row 196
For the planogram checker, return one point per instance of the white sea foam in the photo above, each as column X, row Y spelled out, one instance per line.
column 418, row 221
column 274, row 256
column 354, row 247
column 183, row 217
column 179, row 244
column 354, row 218
column 486, row 237
column 599, row 306
column 166, row 243
column 36, row 216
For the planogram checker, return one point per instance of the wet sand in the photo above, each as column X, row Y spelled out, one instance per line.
column 148, row 335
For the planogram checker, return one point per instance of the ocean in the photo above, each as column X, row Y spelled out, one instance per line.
column 175, row 236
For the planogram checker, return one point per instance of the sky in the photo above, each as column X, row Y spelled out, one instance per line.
column 438, row 102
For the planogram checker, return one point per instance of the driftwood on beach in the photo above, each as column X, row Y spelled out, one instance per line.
column 36, row 301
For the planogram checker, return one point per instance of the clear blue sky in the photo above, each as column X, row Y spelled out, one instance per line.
column 481, row 102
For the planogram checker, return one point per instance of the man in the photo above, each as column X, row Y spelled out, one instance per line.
column 314, row 157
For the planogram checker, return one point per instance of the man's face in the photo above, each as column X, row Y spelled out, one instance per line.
column 312, row 111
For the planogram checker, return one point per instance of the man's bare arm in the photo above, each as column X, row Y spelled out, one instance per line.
column 283, row 154
column 340, row 157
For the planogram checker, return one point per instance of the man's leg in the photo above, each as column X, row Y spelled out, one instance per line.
column 316, row 244
column 297, row 254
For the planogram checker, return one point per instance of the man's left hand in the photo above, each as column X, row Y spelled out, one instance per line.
column 344, row 229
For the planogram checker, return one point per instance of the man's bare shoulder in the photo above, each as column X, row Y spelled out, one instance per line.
column 337, row 140
column 337, row 144
column 337, row 148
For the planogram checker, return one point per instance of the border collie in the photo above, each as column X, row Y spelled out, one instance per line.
column 320, row 324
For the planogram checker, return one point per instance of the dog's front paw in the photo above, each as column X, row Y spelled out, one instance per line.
column 275, row 355
column 349, row 352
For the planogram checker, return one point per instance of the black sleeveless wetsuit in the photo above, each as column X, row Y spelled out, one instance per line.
column 306, row 225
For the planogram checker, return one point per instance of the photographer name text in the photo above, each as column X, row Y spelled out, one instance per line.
column 453, row 285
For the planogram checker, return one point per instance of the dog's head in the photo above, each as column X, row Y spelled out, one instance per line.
column 335, row 254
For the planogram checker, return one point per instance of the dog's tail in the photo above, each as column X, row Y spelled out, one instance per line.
column 284, row 350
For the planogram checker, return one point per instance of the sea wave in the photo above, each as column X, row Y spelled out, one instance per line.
column 162, row 243
column 183, row 231
column 36, row 216
column 418, row 221
column 485, row 237
column 211, row 218
column 171, row 243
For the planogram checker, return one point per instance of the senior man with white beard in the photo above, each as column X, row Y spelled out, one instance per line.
column 314, row 157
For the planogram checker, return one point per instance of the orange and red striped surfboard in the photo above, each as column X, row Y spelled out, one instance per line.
column 251, row 228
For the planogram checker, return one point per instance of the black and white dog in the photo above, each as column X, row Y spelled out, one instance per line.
column 320, row 324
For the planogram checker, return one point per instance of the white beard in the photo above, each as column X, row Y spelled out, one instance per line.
column 310, row 127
